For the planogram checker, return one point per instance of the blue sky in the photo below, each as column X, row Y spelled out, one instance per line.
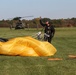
column 54, row 9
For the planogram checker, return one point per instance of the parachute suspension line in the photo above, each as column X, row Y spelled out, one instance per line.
column 39, row 35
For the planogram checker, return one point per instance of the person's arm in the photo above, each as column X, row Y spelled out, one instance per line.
column 53, row 30
column 42, row 22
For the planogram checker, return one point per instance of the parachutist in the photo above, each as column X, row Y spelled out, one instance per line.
column 49, row 30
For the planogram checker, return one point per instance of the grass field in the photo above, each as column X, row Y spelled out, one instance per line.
column 65, row 43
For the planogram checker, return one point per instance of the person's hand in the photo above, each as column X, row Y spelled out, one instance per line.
column 40, row 17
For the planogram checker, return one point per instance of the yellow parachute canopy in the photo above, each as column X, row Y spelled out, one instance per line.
column 27, row 46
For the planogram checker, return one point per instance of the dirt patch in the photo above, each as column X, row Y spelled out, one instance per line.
column 72, row 56
column 55, row 59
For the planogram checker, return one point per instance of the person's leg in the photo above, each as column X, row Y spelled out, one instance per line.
column 49, row 39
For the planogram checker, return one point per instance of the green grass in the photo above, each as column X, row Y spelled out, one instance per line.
column 65, row 43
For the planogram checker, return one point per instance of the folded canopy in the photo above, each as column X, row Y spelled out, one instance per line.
column 27, row 46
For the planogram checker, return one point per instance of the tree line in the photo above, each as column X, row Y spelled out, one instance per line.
column 34, row 23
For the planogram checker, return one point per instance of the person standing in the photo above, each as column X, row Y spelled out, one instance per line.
column 49, row 30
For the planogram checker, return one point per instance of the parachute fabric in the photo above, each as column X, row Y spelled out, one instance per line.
column 27, row 46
